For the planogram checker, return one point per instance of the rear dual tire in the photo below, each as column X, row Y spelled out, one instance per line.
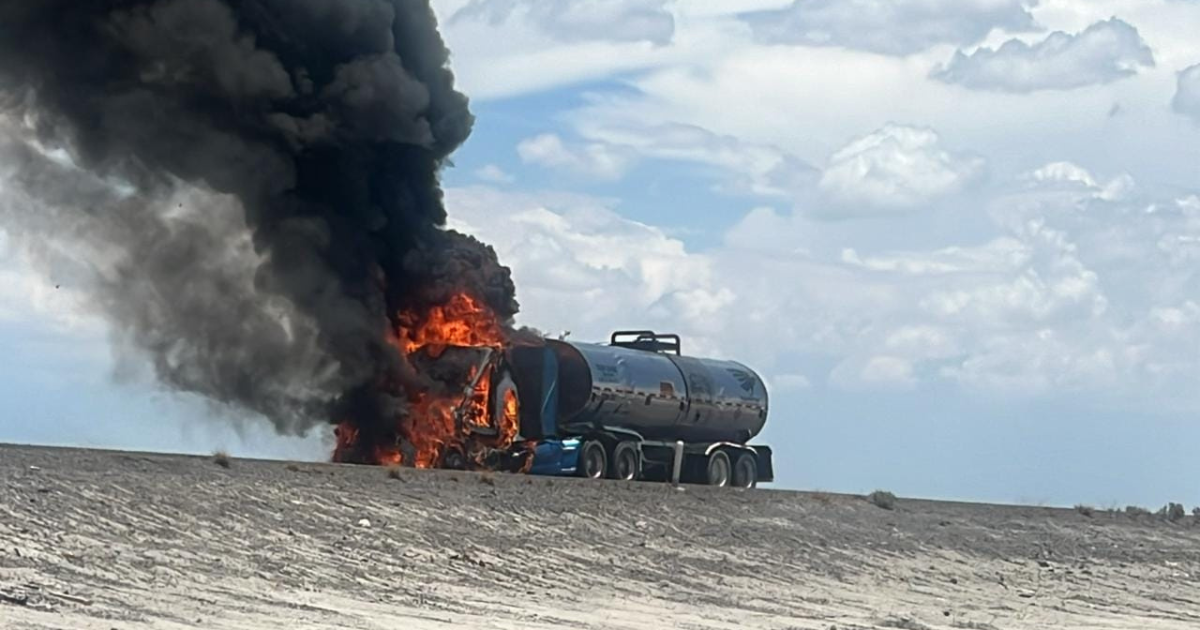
column 593, row 460
column 741, row 472
column 624, row 463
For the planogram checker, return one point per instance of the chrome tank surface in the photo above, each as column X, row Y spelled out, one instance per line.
column 661, row 396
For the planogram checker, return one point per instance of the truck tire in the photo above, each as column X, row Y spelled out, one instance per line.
column 593, row 460
column 745, row 471
column 453, row 459
column 719, row 471
column 626, row 462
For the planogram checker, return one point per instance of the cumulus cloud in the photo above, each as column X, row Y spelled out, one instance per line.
column 1102, row 53
column 894, row 27
column 594, row 160
column 1187, row 95
column 494, row 174
column 583, row 267
column 613, row 20
column 790, row 382
column 740, row 167
column 897, row 168
column 1076, row 292
column 1072, row 176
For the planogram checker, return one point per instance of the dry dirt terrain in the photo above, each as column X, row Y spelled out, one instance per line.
column 104, row 540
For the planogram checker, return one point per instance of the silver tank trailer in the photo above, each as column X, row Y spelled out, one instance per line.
column 644, row 384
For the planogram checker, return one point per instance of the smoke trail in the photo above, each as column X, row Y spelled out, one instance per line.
column 252, row 187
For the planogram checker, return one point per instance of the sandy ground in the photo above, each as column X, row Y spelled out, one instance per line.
column 100, row 540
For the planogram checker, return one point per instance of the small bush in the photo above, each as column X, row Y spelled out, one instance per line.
column 903, row 623
column 882, row 499
column 222, row 459
column 1085, row 510
column 393, row 472
column 292, row 468
column 1136, row 512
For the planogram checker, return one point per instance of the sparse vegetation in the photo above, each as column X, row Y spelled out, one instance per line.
column 973, row 625
column 393, row 472
column 1136, row 512
column 903, row 623
column 825, row 498
column 1085, row 510
column 884, row 500
column 487, row 479
column 222, row 459
column 292, row 468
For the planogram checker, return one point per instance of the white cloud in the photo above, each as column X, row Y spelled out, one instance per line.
column 1070, row 175
column 1102, row 53
column 494, row 174
column 1003, row 253
column 615, row 20
column 595, row 160
column 881, row 372
column 579, row 266
column 1073, row 294
column 896, row 168
column 897, row 27
column 887, row 370
column 739, row 166
column 791, row 382
column 1187, row 93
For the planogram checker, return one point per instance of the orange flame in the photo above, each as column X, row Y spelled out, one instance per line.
column 435, row 424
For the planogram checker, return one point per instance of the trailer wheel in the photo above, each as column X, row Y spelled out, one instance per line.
column 719, row 469
column 745, row 471
column 626, row 464
column 593, row 460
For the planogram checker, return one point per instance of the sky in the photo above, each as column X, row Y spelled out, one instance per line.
column 959, row 239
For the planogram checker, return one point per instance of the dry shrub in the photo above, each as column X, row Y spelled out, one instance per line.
column 393, row 472
column 487, row 479
column 903, row 623
column 1085, row 510
column 822, row 497
column 884, row 500
column 1136, row 511
column 222, row 459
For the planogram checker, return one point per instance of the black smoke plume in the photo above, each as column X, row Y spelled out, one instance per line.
column 251, row 186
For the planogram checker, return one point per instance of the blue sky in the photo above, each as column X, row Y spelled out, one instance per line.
column 958, row 237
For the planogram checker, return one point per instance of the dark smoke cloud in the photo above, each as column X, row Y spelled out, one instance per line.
column 251, row 186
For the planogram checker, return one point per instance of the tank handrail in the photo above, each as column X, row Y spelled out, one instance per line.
column 648, row 340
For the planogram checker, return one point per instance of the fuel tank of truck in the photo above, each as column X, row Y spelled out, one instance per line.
column 642, row 382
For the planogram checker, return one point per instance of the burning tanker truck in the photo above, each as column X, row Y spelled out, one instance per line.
column 633, row 409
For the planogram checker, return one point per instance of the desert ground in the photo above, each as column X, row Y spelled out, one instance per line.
column 112, row 540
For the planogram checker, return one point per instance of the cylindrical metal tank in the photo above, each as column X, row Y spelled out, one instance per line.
column 660, row 395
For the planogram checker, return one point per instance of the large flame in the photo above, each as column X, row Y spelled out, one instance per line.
column 438, row 425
